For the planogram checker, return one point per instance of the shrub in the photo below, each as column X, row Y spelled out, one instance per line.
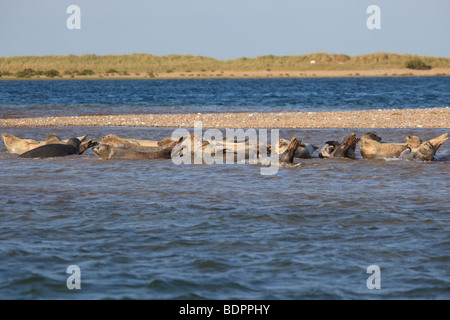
column 86, row 72
column 417, row 64
column 25, row 73
column 112, row 71
column 51, row 73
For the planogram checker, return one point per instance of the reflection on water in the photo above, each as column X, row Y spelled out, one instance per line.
column 153, row 230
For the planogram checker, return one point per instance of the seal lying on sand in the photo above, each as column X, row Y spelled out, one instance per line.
column 54, row 150
column 347, row 148
column 425, row 151
column 16, row 145
column 371, row 146
column 304, row 151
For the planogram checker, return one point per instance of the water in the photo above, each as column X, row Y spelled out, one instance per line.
column 153, row 230
column 81, row 97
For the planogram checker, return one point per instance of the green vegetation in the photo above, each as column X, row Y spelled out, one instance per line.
column 51, row 73
column 26, row 73
column 90, row 65
column 86, row 72
column 417, row 64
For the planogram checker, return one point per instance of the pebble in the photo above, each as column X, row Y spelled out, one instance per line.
column 422, row 118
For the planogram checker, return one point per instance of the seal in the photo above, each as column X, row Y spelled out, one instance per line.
column 192, row 145
column 229, row 149
column 107, row 152
column 425, row 151
column 304, row 150
column 371, row 146
column 328, row 149
column 54, row 139
column 146, row 146
column 115, row 141
column 289, row 155
column 54, row 150
column 347, row 148
column 16, row 145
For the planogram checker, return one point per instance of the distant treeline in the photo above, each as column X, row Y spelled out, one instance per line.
column 92, row 64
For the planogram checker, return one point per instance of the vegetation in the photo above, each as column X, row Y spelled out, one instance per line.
column 417, row 64
column 51, row 73
column 86, row 72
column 54, row 66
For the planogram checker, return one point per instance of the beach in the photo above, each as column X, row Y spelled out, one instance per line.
column 252, row 74
column 395, row 118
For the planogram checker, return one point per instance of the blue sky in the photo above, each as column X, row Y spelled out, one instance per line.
column 224, row 29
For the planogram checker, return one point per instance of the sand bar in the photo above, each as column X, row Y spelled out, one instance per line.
column 405, row 118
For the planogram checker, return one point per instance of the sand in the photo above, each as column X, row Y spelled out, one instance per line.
column 311, row 73
column 305, row 74
column 406, row 118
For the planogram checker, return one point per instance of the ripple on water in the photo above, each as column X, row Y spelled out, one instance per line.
column 159, row 231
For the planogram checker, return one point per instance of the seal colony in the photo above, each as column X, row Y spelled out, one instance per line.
column 112, row 147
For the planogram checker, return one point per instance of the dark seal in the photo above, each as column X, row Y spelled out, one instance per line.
column 72, row 147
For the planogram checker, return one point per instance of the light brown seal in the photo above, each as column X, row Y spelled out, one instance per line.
column 145, row 146
column 107, row 152
column 371, row 146
column 115, row 141
column 425, row 151
column 16, row 145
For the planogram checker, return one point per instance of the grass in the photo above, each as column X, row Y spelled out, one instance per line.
column 141, row 63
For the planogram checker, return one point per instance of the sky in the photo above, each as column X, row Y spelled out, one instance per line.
column 224, row 29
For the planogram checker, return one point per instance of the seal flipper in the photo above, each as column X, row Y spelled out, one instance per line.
column 289, row 154
column 349, row 144
column 87, row 145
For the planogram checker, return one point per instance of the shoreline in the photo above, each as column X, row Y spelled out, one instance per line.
column 399, row 72
column 368, row 119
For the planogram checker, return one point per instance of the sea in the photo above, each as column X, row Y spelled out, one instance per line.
column 84, row 228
